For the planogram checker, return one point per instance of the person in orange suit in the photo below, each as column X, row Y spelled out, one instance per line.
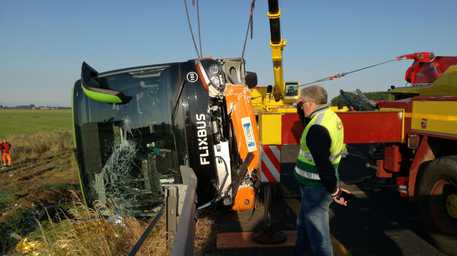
column 5, row 148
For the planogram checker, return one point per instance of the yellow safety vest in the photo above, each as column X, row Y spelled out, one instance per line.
column 305, row 169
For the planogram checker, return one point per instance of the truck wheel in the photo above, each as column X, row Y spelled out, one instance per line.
column 437, row 194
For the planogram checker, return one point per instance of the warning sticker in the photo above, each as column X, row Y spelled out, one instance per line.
column 248, row 134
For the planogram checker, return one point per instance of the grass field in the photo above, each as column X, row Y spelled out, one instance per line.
column 26, row 121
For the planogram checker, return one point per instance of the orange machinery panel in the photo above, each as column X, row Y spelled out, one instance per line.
column 238, row 99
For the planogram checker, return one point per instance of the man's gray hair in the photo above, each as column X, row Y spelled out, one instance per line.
column 315, row 93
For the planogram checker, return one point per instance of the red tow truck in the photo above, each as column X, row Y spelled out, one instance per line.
column 418, row 133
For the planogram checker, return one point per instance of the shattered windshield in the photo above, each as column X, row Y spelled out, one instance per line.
column 126, row 150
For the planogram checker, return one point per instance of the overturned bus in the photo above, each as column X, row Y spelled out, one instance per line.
column 135, row 127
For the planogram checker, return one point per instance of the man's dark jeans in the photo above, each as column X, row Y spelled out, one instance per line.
column 313, row 228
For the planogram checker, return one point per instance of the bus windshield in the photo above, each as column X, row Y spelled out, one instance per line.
column 125, row 149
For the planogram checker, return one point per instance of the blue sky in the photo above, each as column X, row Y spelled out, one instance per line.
column 43, row 43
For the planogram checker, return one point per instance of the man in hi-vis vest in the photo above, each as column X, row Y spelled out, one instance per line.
column 321, row 147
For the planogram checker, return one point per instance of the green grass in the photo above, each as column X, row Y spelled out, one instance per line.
column 5, row 199
column 27, row 121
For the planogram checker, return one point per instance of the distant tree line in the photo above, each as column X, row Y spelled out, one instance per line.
column 32, row 106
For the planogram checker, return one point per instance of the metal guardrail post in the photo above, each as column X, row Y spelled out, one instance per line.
column 172, row 213
column 181, row 210
column 184, row 239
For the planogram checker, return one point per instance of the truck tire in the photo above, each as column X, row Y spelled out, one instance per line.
column 437, row 194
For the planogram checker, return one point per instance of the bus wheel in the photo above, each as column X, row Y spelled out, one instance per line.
column 437, row 194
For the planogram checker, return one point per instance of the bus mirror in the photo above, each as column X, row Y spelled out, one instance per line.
column 95, row 91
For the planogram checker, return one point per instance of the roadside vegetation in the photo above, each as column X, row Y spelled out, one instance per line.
column 42, row 179
column 41, row 211
column 34, row 146
column 83, row 231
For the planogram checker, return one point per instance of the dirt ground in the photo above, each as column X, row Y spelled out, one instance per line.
column 39, row 183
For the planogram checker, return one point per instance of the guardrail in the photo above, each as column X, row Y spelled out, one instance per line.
column 181, row 212
column 182, row 219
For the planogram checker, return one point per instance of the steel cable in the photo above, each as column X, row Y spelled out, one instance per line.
column 199, row 29
column 146, row 233
column 339, row 75
column 249, row 27
column 190, row 28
